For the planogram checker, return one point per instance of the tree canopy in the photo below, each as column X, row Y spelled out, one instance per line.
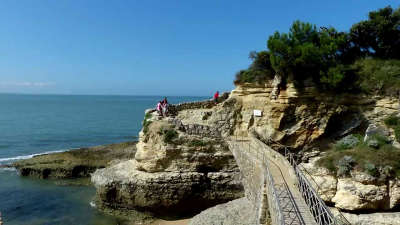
column 332, row 60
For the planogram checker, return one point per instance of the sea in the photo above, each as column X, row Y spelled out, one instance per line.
column 38, row 124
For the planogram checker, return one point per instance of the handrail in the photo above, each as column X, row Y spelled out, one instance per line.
column 274, row 206
column 318, row 208
column 319, row 190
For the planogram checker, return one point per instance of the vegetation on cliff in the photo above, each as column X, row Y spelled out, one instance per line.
column 367, row 58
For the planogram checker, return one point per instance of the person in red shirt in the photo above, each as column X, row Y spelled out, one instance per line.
column 216, row 95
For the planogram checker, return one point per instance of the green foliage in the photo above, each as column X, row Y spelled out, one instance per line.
column 397, row 133
column 377, row 76
column 308, row 53
column 328, row 57
column 393, row 121
column 379, row 35
column 147, row 116
column 197, row 143
column 347, row 142
column 385, row 156
column 146, row 124
column 169, row 135
column 382, row 140
column 371, row 169
column 345, row 165
column 258, row 72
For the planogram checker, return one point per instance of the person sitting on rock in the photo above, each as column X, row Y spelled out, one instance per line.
column 159, row 108
column 164, row 107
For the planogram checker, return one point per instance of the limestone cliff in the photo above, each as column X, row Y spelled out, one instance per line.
column 299, row 118
column 183, row 164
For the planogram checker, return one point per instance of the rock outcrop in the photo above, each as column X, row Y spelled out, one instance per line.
column 182, row 164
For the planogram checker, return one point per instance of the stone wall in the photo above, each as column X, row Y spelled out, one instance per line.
column 196, row 129
column 254, row 181
column 206, row 104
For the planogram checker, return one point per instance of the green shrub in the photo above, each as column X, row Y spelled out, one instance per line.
column 169, row 135
column 387, row 155
column 382, row 140
column 259, row 71
column 392, row 121
column 197, row 143
column 345, row 165
column 347, row 142
column 397, row 133
column 371, row 169
column 146, row 124
column 377, row 76
column 147, row 116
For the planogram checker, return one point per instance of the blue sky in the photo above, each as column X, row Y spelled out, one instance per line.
column 147, row 47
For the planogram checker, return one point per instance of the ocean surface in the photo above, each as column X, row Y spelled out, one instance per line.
column 37, row 124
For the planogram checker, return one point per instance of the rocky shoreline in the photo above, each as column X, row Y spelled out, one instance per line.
column 75, row 163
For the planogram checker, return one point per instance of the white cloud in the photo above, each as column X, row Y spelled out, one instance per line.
column 26, row 84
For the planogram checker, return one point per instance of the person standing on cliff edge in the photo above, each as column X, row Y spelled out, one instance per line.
column 216, row 95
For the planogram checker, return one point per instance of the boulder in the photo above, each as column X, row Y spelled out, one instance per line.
column 374, row 130
column 353, row 195
column 163, row 193
column 239, row 211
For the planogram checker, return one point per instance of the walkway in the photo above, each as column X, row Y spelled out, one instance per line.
column 290, row 201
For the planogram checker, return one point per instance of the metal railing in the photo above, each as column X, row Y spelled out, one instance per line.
column 317, row 206
column 281, row 204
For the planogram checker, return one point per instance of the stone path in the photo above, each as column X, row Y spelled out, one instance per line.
column 294, row 208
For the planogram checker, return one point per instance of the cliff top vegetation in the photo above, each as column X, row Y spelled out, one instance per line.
column 364, row 59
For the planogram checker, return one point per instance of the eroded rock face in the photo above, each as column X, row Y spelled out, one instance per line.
column 122, row 186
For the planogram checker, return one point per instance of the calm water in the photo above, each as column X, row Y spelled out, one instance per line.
column 33, row 124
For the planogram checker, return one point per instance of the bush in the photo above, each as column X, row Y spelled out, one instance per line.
column 169, row 135
column 397, row 133
column 377, row 76
column 386, row 156
column 259, row 71
column 347, row 142
column 371, row 169
column 197, row 143
column 345, row 165
column 146, row 124
column 392, row 121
